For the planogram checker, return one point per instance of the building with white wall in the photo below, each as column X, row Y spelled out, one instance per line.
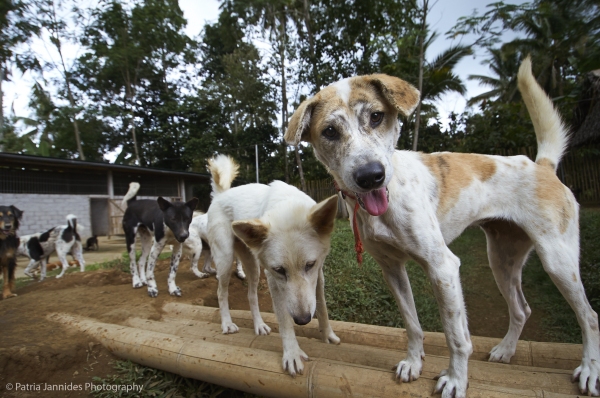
column 47, row 189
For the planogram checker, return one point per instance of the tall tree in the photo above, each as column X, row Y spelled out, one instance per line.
column 16, row 28
column 56, row 27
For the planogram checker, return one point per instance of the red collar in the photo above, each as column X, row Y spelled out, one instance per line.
column 358, row 246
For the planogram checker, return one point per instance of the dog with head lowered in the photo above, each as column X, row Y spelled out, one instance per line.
column 158, row 223
column 284, row 230
column 412, row 205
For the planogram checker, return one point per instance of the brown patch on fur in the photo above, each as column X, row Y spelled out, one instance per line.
column 554, row 198
column 252, row 232
column 400, row 94
column 455, row 171
column 546, row 163
column 322, row 218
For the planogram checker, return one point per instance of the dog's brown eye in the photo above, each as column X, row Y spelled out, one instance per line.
column 310, row 265
column 376, row 118
column 280, row 270
column 330, row 133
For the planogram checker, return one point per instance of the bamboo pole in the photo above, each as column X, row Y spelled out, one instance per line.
column 529, row 353
column 500, row 375
column 259, row 371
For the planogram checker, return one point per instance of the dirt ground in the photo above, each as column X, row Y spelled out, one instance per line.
column 34, row 350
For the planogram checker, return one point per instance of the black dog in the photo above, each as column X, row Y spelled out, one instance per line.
column 169, row 222
column 92, row 243
column 9, row 243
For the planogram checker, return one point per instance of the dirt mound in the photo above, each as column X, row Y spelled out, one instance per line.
column 37, row 352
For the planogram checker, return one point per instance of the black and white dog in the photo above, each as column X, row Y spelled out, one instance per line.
column 64, row 239
column 9, row 242
column 167, row 223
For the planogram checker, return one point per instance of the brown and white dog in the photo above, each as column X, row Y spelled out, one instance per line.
column 412, row 205
column 10, row 217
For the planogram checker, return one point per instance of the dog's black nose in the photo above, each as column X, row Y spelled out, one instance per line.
column 183, row 237
column 302, row 319
column 370, row 175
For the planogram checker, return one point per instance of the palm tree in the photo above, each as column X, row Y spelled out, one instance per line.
column 505, row 65
column 439, row 78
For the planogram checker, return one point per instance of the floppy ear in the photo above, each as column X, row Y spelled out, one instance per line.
column 298, row 127
column 192, row 203
column 163, row 203
column 252, row 232
column 322, row 215
column 18, row 213
column 401, row 95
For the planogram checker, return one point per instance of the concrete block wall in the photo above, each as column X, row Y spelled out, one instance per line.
column 43, row 212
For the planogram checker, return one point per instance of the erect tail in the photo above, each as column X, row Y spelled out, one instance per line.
column 134, row 187
column 223, row 170
column 72, row 221
column 551, row 134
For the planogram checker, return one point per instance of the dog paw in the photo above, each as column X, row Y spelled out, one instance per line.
column 408, row 370
column 30, row 274
column 588, row 375
column 240, row 274
column 330, row 337
column 200, row 274
column 229, row 327
column 152, row 292
column 176, row 292
column 262, row 329
column 9, row 295
column 503, row 352
column 450, row 387
column 59, row 276
column 293, row 361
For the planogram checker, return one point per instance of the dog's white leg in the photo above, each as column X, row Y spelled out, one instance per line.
column 508, row 247
column 253, row 268
column 62, row 250
column 197, row 250
column 394, row 273
column 130, row 244
column 442, row 267
column 207, row 268
column 146, row 241
column 327, row 333
column 77, row 252
column 43, row 265
column 174, row 290
column 560, row 258
column 293, row 356
column 222, row 252
column 30, row 267
column 157, row 248
column 239, row 269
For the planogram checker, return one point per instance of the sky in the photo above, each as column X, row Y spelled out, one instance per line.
column 443, row 16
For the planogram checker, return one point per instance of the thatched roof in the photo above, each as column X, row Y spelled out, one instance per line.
column 586, row 121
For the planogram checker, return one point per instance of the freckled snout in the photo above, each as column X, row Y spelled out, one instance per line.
column 370, row 176
column 302, row 319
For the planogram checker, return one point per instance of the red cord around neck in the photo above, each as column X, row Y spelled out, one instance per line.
column 358, row 246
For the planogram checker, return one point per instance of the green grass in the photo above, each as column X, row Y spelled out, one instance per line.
column 158, row 383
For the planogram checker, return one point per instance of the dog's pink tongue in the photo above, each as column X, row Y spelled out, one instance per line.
column 376, row 202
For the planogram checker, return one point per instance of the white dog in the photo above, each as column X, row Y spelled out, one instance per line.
column 63, row 239
column 283, row 229
column 197, row 244
column 412, row 205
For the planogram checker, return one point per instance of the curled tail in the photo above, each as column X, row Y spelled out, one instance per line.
column 134, row 187
column 223, row 170
column 551, row 134
column 72, row 223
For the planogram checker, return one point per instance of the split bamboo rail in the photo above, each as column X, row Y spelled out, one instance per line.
column 188, row 341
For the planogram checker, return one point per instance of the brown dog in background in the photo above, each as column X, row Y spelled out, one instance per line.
column 9, row 242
